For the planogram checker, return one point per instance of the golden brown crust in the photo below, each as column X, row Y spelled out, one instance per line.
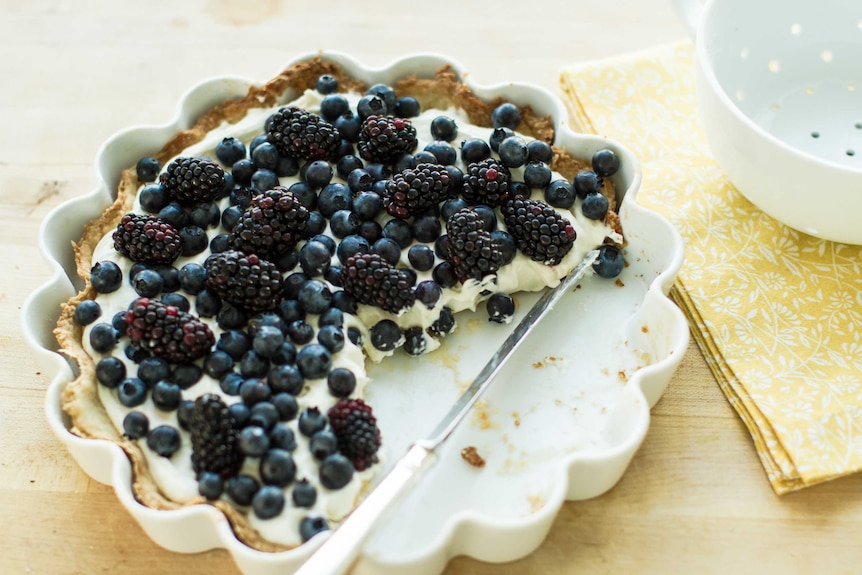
column 80, row 397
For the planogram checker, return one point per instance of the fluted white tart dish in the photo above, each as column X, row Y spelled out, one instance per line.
column 562, row 423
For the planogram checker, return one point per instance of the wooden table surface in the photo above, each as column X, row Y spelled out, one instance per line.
column 695, row 499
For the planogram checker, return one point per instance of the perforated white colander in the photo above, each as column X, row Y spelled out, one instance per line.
column 780, row 97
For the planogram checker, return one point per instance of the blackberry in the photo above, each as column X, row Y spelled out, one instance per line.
column 539, row 231
column 271, row 225
column 471, row 250
column 244, row 280
column 384, row 138
column 167, row 332
column 416, row 190
column 193, row 180
column 300, row 134
column 486, row 182
column 214, row 437
column 147, row 239
column 355, row 426
column 371, row 280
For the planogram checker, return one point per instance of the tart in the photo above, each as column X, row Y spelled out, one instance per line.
column 250, row 267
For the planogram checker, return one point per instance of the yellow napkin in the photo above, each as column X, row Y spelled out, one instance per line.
column 777, row 313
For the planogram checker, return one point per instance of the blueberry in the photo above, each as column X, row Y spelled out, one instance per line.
column 207, row 304
column 407, row 107
column 451, row 206
column 360, row 180
column 110, row 371
column 443, row 152
column 314, row 296
column 210, row 485
column 414, row 341
column 513, row 152
column 253, row 364
column 87, row 312
column 311, row 526
column 348, row 125
column 333, row 106
column 186, row 375
column 421, row 257
column 286, row 167
column 285, row 378
column 403, row 162
column 118, row 322
column 300, row 332
column 164, row 440
column 153, row 198
column 253, row 441
column 287, row 260
column 426, row 228
column 506, row 115
column 518, row 188
column 497, row 137
column 475, row 150
column 346, row 164
column 595, row 206
column 103, row 337
column 441, row 247
column 234, row 342
column 184, row 413
column 506, row 244
column 610, row 262
column 587, row 182
column 179, row 301
column 303, row 495
column 191, row 278
column 390, row 98
column 265, row 156
column 264, row 414
column 267, row 341
column 385, row 335
column 444, row 274
column 135, row 425
column 241, row 197
column 205, row 215
column 539, row 151
column 217, row 363
column 331, row 337
column 428, row 292
column 605, row 163
column 344, row 301
column 322, row 444
column 326, row 84
column 153, row 369
column 317, row 174
column 331, row 316
column 195, row 240
column 560, row 194
column 537, row 174
column 501, row 308
column 350, row 246
column 242, row 489
column 258, row 140
column 254, row 390
column 240, row 413
column 400, row 231
column 354, row 335
column 166, row 395
column 286, row 406
column 147, row 169
column 315, row 225
column 371, row 231
column 444, row 128
column 174, row 214
column 336, row 471
column 341, row 382
column 106, row 276
column 489, row 218
column 424, row 157
column 344, row 223
column 291, row 311
column 314, row 257
column 132, row 392
column 371, row 106
column 313, row 361
column 334, row 197
column 285, row 354
column 268, row 502
column 445, row 323
column 226, row 187
column 388, row 249
column 230, row 317
column 378, row 171
column 230, row 150
column 281, row 437
column 311, row 420
column 456, row 178
column 344, row 148
column 230, row 383
column 264, row 179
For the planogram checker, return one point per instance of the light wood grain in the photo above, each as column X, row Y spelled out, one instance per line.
column 694, row 500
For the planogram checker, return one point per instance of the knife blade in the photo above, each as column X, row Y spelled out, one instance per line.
column 338, row 553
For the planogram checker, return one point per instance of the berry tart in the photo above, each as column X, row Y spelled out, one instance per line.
column 250, row 267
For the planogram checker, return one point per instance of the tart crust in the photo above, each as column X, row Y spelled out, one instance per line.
column 81, row 402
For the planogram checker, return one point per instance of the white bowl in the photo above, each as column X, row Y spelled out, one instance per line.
column 566, row 454
column 779, row 88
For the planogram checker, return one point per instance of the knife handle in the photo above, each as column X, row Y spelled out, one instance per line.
column 339, row 552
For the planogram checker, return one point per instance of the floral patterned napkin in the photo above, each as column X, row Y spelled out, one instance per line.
column 777, row 313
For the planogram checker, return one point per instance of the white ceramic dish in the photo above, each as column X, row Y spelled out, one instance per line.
column 779, row 89
column 563, row 422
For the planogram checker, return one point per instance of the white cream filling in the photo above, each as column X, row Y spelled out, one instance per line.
column 175, row 476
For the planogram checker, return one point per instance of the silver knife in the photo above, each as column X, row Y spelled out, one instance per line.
column 338, row 553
